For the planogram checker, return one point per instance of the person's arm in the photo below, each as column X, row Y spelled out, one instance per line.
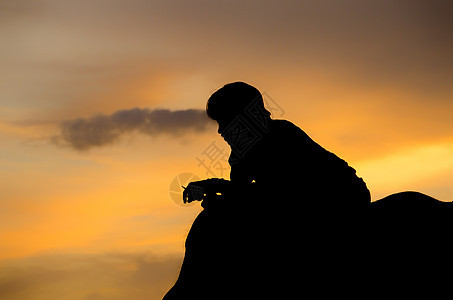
column 204, row 189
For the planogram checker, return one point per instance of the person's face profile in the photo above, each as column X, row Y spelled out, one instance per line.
column 221, row 128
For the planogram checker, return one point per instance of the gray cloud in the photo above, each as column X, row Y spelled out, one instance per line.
column 84, row 52
column 100, row 130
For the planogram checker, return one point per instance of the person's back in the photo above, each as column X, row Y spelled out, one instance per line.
column 290, row 169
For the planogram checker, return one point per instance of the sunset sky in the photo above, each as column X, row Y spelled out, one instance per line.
column 101, row 107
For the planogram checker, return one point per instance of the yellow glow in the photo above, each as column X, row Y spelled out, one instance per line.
column 407, row 168
column 381, row 101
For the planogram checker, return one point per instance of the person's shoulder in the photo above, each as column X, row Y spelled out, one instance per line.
column 282, row 126
column 282, row 123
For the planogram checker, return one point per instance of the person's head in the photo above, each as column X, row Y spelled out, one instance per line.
column 233, row 100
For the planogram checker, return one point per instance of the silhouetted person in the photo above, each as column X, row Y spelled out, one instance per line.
column 276, row 169
column 277, row 159
column 290, row 220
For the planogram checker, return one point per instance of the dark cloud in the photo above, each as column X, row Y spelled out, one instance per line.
column 79, row 51
column 100, row 130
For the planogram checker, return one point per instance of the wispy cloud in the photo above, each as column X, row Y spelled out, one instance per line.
column 100, row 130
column 89, row 276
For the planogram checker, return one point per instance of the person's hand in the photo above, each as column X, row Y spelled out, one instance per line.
column 195, row 191
column 200, row 190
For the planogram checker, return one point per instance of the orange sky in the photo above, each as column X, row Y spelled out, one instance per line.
column 368, row 80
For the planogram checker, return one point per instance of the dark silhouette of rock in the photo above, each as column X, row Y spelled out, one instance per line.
column 410, row 200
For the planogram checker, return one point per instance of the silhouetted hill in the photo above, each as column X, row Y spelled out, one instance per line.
column 412, row 200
